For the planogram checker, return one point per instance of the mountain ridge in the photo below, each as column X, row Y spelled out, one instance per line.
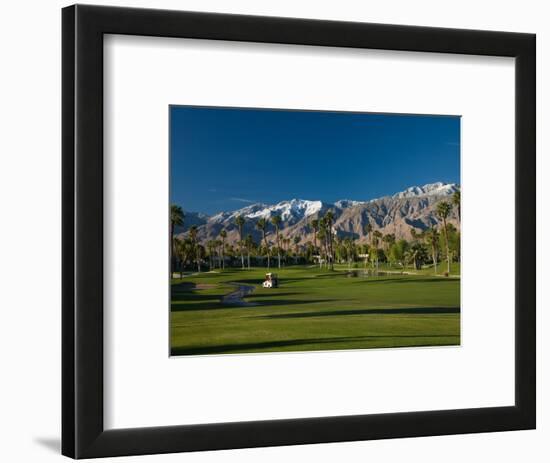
column 413, row 207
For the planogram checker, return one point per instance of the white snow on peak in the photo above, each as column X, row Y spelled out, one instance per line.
column 231, row 215
column 343, row 203
column 220, row 216
column 296, row 208
column 430, row 189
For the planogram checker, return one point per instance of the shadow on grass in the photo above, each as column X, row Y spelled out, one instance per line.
column 199, row 306
column 277, row 302
column 258, row 346
column 189, row 292
column 203, row 303
column 397, row 311
column 407, row 279
column 183, row 286
column 194, row 299
column 333, row 274
column 426, row 279
column 272, row 294
column 189, row 296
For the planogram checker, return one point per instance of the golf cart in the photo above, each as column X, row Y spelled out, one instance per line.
column 271, row 280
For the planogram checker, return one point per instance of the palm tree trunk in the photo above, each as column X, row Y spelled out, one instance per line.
column 267, row 251
column 241, row 246
column 329, row 253
column 329, row 248
column 315, row 240
column 278, row 249
column 197, row 258
column 333, row 251
column 447, row 246
column 325, row 250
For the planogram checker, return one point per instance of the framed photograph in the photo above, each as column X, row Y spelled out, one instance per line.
column 258, row 268
column 284, row 231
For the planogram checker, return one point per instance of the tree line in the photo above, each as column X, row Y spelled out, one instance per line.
column 433, row 246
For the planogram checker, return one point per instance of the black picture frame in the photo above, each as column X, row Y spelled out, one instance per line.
column 83, row 433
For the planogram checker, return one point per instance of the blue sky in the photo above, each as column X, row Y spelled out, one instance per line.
column 226, row 158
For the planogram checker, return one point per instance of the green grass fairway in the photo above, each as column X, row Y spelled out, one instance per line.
column 312, row 310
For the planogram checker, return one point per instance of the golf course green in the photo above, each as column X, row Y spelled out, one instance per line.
column 312, row 309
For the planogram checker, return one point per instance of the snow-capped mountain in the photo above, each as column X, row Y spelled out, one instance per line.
column 343, row 203
column 438, row 188
column 289, row 211
column 398, row 213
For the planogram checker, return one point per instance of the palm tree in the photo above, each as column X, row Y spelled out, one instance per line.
column 324, row 234
column 456, row 202
column 177, row 217
column 319, row 251
column 276, row 221
column 432, row 239
column 417, row 255
column 377, row 235
column 368, row 231
column 364, row 249
column 211, row 246
column 261, row 225
column 180, row 253
column 218, row 246
column 443, row 210
column 249, row 243
column 398, row 251
column 200, row 254
column 286, row 244
column 239, row 221
column 309, row 251
column 388, row 240
column 223, row 236
column 329, row 219
column 349, row 247
column 296, row 241
column 193, row 235
column 315, row 226
column 186, row 250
